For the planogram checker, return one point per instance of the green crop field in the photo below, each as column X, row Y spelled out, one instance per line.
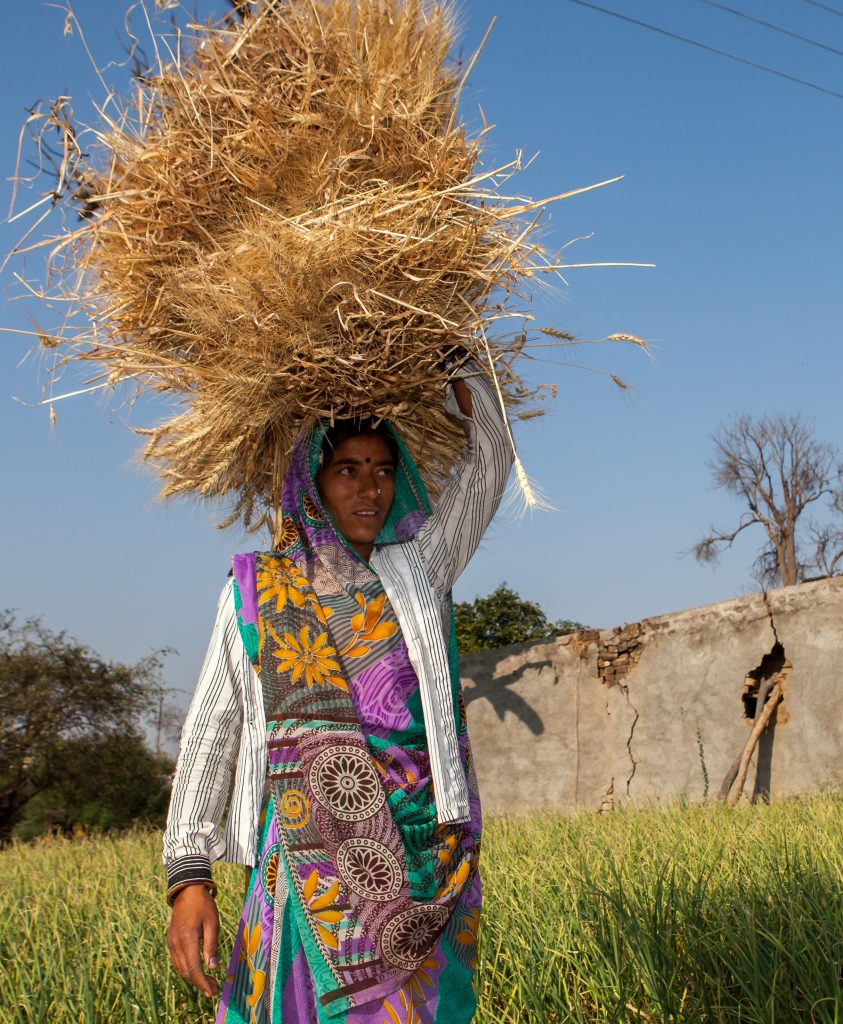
column 696, row 913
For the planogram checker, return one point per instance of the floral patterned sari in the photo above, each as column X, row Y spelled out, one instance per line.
column 361, row 908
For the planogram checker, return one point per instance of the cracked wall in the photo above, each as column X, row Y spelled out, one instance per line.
column 602, row 717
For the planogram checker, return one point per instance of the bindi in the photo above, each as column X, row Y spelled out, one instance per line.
column 368, row 459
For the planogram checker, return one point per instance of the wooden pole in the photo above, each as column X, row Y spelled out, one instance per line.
column 732, row 773
column 761, row 723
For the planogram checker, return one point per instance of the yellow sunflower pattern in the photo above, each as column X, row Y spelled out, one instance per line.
column 313, row 661
column 281, row 580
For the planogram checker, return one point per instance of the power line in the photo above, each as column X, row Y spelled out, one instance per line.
column 711, row 49
column 825, row 7
column 770, row 25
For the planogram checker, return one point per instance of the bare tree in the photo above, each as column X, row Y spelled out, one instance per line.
column 777, row 468
column 827, row 539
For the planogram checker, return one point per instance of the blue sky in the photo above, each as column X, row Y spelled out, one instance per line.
column 732, row 188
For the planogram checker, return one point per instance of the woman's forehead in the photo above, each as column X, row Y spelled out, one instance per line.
column 371, row 448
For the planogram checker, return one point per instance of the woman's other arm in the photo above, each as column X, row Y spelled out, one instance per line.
column 209, row 746
column 472, row 495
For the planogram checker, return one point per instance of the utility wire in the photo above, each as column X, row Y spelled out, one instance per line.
column 825, row 7
column 770, row 25
column 711, row 49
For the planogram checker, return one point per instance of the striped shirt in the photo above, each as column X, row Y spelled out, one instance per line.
column 223, row 744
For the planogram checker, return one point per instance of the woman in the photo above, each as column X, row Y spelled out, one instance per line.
column 332, row 679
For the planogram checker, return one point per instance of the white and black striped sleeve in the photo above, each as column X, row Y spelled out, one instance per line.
column 209, row 745
column 472, row 495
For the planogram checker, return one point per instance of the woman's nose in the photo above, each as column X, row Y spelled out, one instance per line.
column 368, row 485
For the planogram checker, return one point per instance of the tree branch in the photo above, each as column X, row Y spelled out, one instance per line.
column 707, row 550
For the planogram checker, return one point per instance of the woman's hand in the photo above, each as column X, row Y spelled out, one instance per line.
column 195, row 922
column 462, row 395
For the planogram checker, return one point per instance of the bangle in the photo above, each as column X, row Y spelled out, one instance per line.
column 181, row 886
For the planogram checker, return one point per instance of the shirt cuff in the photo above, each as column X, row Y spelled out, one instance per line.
column 185, row 871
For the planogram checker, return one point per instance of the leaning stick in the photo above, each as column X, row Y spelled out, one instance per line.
column 732, row 773
column 761, row 724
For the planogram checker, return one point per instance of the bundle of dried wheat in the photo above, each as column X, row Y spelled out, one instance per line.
column 287, row 221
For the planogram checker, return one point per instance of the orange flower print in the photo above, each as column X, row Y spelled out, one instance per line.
column 249, row 945
column 314, row 661
column 322, row 614
column 408, row 1015
column 382, row 760
column 467, row 935
column 421, row 980
column 281, row 580
column 455, row 881
column 323, row 908
column 368, row 629
column 258, row 982
column 448, row 848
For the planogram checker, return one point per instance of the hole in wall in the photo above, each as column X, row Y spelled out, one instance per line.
column 773, row 666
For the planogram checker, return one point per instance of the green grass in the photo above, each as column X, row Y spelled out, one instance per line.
column 694, row 914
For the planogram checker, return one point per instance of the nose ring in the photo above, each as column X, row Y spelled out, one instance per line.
column 379, row 492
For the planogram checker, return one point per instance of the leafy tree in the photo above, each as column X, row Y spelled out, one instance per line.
column 503, row 618
column 777, row 469
column 101, row 782
column 66, row 718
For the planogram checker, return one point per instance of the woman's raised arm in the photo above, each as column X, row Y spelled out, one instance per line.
column 472, row 495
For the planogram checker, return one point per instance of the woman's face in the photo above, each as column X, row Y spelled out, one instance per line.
column 357, row 485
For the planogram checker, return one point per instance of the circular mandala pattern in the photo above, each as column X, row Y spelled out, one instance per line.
column 294, row 809
column 344, row 781
column 310, row 509
column 289, row 534
column 370, row 869
column 269, row 873
column 408, row 937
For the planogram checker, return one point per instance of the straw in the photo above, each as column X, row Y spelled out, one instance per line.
column 288, row 221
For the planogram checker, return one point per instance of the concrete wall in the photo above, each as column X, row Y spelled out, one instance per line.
column 600, row 718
